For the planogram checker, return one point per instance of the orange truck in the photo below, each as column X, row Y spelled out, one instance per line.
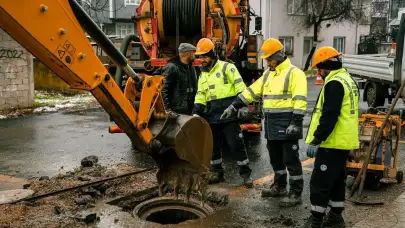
column 163, row 24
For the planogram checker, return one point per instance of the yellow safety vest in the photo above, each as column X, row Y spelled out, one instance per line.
column 222, row 81
column 345, row 134
column 283, row 90
column 218, row 87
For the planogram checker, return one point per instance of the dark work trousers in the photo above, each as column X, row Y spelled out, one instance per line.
column 327, row 185
column 284, row 154
column 233, row 135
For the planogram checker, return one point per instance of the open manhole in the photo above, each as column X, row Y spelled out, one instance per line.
column 166, row 210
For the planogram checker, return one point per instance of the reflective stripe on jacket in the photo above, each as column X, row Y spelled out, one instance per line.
column 217, row 88
column 345, row 134
column 284, row 95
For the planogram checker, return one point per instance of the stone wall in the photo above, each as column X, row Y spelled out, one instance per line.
column 16, row 74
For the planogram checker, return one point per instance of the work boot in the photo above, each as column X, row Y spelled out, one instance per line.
column 291, row 200
column 274, row 191
column 216, row 177
column 333, row 220
column 313, row 222
column 248, row 182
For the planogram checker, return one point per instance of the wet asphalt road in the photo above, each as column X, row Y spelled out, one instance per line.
column 43, row 145
column 47, row 144
column 53, row 143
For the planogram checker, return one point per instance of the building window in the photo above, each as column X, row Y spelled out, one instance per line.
column 288, row 43
column 132, row 2
column 395, row 6
column 296, row 7
column 125, row 29
column 339, row 44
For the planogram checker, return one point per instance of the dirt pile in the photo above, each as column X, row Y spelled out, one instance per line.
column 64, row 210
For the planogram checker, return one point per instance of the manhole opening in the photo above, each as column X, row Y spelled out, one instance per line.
column 171, row 216
column 166, row 210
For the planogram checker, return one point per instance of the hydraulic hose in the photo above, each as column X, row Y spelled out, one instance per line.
column 189, row 13
column 124, row 47
column 102, row 40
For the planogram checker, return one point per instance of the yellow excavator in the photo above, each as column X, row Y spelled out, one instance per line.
column 54, row 31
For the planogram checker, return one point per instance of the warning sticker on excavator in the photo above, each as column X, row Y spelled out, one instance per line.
column 64, row 55
column 61, row 53
column 69, row 47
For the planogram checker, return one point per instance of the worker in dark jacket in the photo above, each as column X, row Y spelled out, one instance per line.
column 180, row 83
column 333, row 132
column 219, row 83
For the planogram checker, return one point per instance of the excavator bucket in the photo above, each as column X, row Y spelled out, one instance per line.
column 190, row 137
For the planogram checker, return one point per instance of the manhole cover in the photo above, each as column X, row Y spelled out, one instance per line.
column 166, row 210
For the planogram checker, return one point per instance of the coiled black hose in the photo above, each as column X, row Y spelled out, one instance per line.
column 189, row 13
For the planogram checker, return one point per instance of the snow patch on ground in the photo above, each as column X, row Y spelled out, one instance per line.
column 45, row 109
column 46, row 102
column 55, row 102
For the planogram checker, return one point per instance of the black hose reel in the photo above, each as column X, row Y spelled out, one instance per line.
column 189, row 13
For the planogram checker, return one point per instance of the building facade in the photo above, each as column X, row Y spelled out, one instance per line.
column 113, row 16
column 282, row 21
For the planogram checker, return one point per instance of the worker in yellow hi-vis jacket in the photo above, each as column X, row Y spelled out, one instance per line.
column 283, row 88
column 332, row 134
column 218, row 85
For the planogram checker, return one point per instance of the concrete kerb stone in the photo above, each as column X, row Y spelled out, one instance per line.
column 392, row 215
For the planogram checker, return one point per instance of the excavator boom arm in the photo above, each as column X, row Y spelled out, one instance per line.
column 54, row 32
column 50, row 31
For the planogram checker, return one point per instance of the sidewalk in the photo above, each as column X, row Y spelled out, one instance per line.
column 391, row 215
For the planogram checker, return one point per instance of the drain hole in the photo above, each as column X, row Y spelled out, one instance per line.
column 166, row 210
column 171, row 216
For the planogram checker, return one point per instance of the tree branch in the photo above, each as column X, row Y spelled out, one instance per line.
column 325, row 3
column 332, row 17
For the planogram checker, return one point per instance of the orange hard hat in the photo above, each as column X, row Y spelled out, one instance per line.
column 271, row 46
column 323, row 54
column 204, row 46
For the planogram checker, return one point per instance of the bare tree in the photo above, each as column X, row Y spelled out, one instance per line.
column 99, row 10
column 319, row 13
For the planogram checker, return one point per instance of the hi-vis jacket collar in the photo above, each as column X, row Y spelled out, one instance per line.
column 284, row 65
column 333, row 73
column 208, row 69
